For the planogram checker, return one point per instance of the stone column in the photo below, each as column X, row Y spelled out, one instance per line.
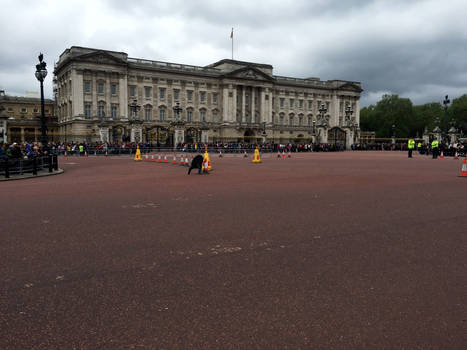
column 225, row 104
column 252, row 100
column 334, row 111
column 270, row 106
column 234, row 104
column 123, row 95
column 22, row 134
column 77, row 93
column 243, row 103
column 94, row 95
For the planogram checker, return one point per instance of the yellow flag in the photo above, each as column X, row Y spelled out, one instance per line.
column 231, row 34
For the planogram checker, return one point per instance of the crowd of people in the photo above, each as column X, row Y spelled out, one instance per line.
column 29, row 150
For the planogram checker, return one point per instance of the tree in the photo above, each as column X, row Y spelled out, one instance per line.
column 458, row 112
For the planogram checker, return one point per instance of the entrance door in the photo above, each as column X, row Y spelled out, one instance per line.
column 336, row 137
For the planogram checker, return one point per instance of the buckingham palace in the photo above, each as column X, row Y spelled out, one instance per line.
column 106, row 96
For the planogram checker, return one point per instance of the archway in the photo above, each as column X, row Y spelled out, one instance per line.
column 249, row 136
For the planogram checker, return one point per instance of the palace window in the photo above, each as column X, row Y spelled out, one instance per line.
column 300, row 104
column 87, row 86
column 46, row 111
column 132, row 91
column 214, row 117
column 24, row 110
column 10, row 109
column 214, row 98
column 202, row 115
column 113, row 112
column 162, row 93
column 176, row 94
column 291, row 102
column 282, row 101
column 300, row 121
column 189, row 116
column 281, row 120
column 147, row 92
column 113, row 89
column 247, row 99
column 100, row 111
column 100, row 88
column 87, row 111
column 189, row 95
column 310, row 120
column 162, row 114
column 310, row 105
column 148, row 113
column 202, row 96
column 36, row 110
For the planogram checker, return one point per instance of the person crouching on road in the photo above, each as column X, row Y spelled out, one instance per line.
column 411, row 146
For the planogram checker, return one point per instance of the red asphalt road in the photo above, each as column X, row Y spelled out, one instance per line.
column 349, row 250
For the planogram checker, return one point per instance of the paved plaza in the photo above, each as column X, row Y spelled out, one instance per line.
column 349, row 250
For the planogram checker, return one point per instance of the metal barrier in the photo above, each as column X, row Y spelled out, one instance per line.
column 20, row 166
column 117, row 151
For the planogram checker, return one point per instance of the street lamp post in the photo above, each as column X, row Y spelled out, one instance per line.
column 134, row 108
column 41, row 73
column 177, row 110
column 393, row 134
column 322, row 112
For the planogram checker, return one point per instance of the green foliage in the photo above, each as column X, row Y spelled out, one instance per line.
column 410, row 120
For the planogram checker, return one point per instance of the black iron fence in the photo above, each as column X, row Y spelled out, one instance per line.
column 20, row 166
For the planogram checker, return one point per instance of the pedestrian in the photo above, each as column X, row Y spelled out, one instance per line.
column 434, row 148
column 411, row 145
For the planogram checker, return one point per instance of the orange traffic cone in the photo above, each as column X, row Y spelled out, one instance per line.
column 182, row 160
column 174, row 160
column 456, row 155
column 245, row 155
column 187, row 163
column 464, row 168
column 159, row 159
column 278, row 154
column 442, row 155
column 289, row 154
column 165, row 158
column 146, row 157
column 283, row 154
column 220, row 154
column 152, row 157
column 65, row 155
column 85, row 153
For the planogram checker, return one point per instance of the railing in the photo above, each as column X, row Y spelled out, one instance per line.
column 20, row 166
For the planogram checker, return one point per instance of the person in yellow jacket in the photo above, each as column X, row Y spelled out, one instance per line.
column 434, row 148
column 411, row 146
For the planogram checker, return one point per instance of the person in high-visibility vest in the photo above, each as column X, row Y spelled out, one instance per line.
column 419, row 147
column 81, row 149
column 411, row 146
column 434, row 148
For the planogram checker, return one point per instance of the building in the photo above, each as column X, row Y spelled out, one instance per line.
column 22, row 119
column 107, row 96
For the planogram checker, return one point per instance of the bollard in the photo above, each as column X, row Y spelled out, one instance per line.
column 55, row 158
column 49, row 157
column 34, row 165
column 7, row 168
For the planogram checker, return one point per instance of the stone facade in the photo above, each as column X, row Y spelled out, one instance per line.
column 22, row 119
column 107, row 96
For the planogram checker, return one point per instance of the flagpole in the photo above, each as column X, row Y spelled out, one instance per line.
column 231, row 36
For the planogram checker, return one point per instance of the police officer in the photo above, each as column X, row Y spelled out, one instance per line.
column 434, row 148
column 411, row 146
column 419, row 147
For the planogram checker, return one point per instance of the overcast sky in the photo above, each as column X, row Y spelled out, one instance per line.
column 416, row 49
